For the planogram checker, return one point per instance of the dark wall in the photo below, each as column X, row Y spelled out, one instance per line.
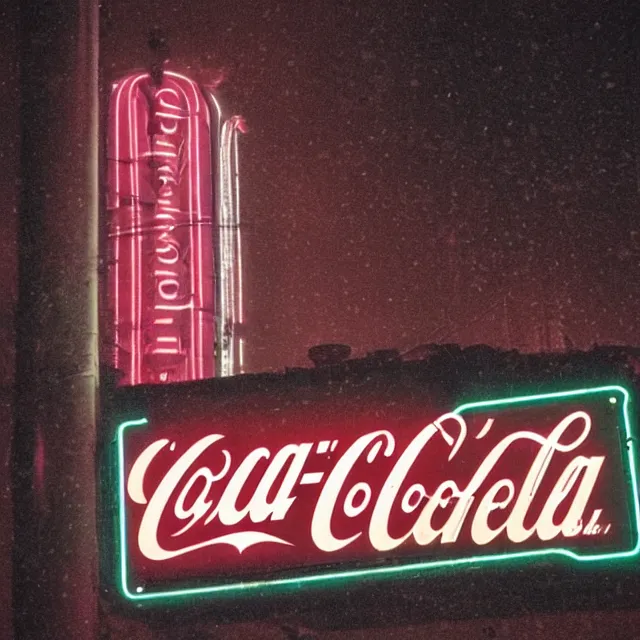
column 9, row 147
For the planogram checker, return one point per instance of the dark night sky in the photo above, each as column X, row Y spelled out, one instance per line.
column 420, row 172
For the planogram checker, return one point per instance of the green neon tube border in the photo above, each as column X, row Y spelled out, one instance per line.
column 245, row 588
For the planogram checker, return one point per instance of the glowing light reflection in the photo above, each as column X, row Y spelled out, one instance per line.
column 133, row 150
column 410, row 568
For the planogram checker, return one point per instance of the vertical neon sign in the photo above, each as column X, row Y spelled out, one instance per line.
column 230, row 310
column 161, row 267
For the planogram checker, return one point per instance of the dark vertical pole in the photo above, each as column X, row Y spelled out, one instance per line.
column 8, row 290
column 55, row 548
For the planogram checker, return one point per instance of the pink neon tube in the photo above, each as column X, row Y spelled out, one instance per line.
column 161, row 273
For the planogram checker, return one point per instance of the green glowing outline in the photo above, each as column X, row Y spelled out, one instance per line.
column 271, row 586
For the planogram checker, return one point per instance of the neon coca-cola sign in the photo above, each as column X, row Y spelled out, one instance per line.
column 160, row 201
column 310, row 495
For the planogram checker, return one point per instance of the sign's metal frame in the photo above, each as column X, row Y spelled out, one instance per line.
column 617, row 395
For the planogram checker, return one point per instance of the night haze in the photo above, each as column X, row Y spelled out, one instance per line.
column 414, row 173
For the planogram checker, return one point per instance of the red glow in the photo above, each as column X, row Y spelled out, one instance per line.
column 203, row 500
column 161, row 277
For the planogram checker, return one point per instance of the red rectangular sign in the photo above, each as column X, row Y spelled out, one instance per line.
column 249, row 497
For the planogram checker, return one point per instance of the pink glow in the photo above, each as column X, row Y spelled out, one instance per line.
column 160, row 238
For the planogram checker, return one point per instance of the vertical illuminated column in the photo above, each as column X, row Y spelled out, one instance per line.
column 160, row 238
column 230, row 303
